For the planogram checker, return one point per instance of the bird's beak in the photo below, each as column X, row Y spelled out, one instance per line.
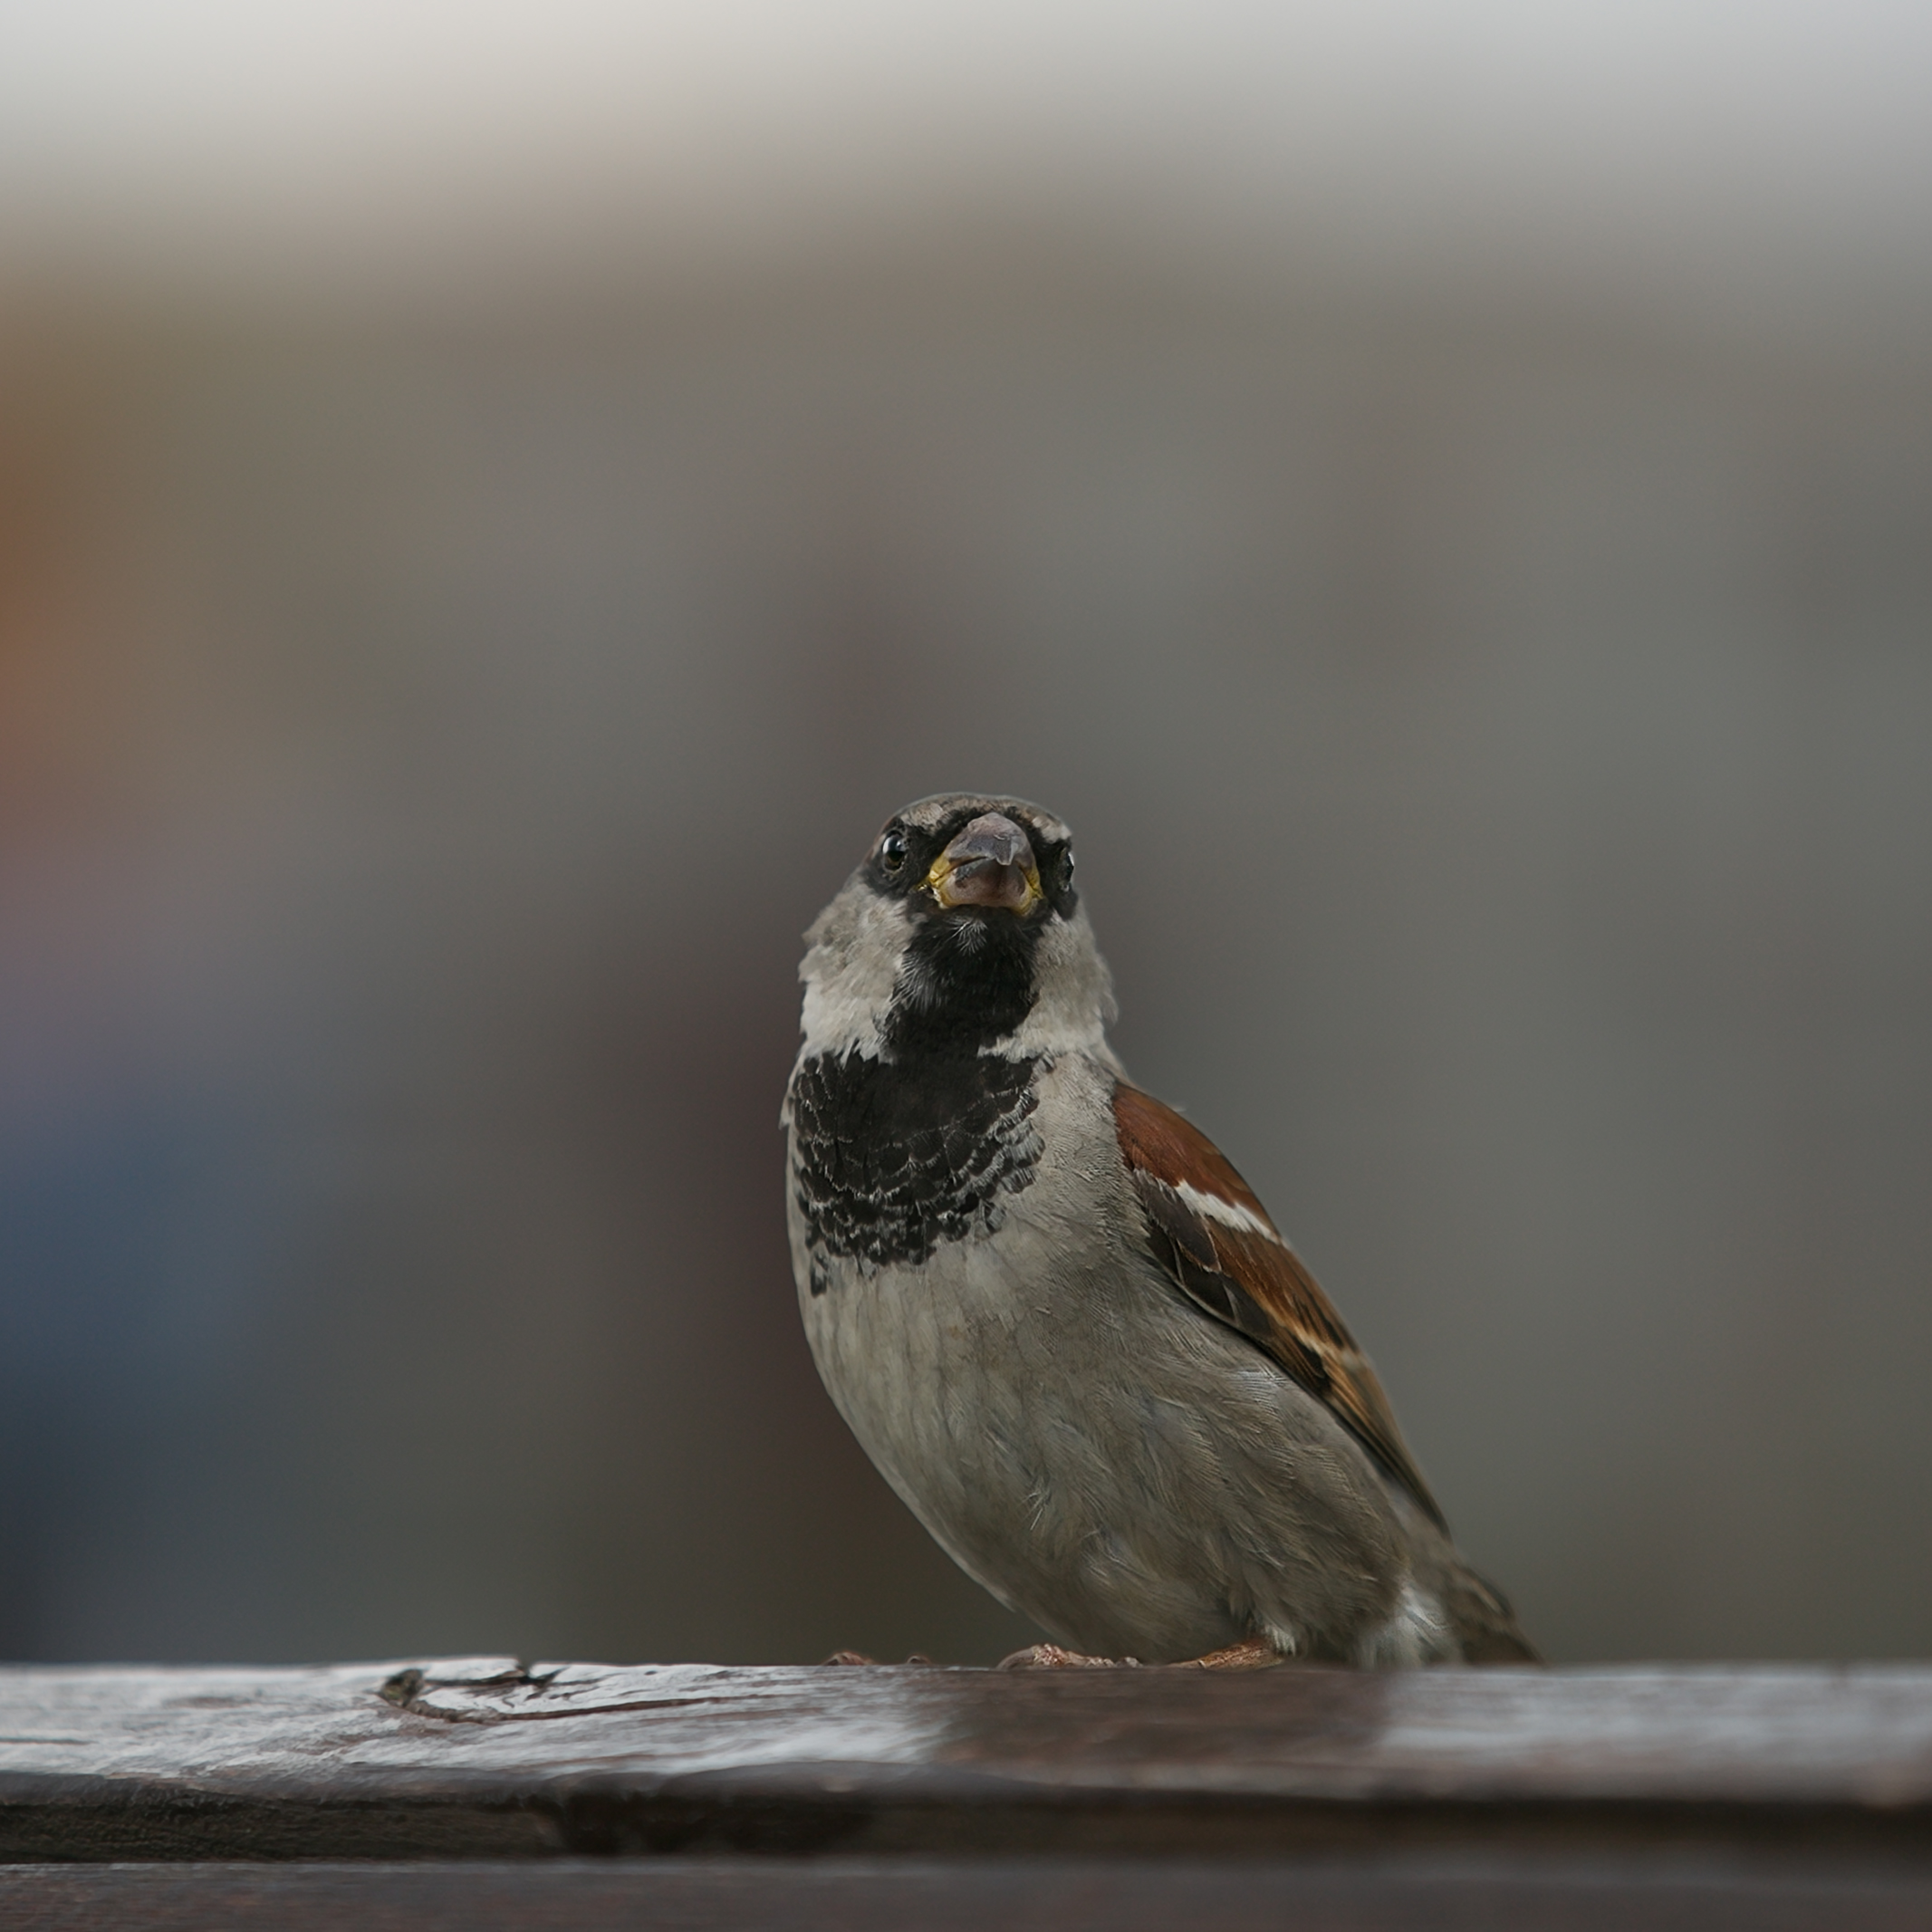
column 990, row 863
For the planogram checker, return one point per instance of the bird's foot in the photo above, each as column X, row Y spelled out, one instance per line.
column 1051, row 1656
column 1251, row 1653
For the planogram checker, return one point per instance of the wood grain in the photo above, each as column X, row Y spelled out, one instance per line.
column 1009, row 1895
column 480, row 1758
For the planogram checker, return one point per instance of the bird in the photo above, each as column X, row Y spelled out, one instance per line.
column 1060, row 1322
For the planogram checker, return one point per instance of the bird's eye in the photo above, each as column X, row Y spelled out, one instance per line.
column 1066, row 870
column 892, row 851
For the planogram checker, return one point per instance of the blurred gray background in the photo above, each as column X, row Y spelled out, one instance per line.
column 497, row 506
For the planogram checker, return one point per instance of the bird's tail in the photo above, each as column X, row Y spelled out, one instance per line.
column 1485, row 1625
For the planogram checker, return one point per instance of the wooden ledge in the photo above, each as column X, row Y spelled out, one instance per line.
column 1036, row 1894
column 480, row 1758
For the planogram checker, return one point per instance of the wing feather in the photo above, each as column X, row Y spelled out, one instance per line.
column 1215, row 1242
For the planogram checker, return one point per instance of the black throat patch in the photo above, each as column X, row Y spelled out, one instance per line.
column 966, row 981
column 925, row 1142
column 895, row 1156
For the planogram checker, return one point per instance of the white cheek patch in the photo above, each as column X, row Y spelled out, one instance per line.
column 849, row 970
column 858, row 960
column 1072, row 995
column 1229, row 1214
column 836, row 1020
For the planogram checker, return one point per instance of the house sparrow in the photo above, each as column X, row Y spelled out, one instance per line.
column 1056, row 1317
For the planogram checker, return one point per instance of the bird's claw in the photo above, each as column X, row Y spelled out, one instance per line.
column 1052, row 1657
column 1250, row 1654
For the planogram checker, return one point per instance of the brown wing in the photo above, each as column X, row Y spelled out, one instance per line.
column 1215, row 1240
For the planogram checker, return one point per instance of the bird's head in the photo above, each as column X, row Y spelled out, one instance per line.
column 960, row 933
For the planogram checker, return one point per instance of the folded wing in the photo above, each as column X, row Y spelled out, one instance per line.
column 1216, row 1241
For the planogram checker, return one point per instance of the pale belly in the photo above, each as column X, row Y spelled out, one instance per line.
column 1102, row 1458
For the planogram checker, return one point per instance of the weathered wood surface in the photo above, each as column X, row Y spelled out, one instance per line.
column 921, row 1895
column 478, row 1758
